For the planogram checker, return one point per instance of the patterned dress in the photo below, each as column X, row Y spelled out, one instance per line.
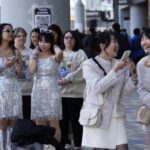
column 45, row 97
column 10, row 94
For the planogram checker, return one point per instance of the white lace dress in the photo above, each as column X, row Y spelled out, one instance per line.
column 10, row 94
column 45, row 97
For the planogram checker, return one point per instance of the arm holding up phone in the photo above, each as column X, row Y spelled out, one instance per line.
column 19, row 64
column 58, row 54
column 33, row 60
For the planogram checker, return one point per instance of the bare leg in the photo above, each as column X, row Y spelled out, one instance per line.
column 3, row 133
column 148, row 139
column 100, row 149
column 41, row 122
column 55, row 124
column 122, row 147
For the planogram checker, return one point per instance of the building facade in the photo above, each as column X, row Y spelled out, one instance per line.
column 133, row 14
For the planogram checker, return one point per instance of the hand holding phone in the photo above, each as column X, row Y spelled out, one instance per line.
column 126, row 55
column 12, row 58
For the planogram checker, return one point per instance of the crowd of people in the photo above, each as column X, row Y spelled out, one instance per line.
column 48, row 81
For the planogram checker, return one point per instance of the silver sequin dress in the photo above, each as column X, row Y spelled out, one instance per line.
column 10, row 94
column 45, row 97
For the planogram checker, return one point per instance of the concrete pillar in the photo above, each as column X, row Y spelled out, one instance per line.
column 79, row 16
column 138, row 17
column 20, row 12
column 116, row 10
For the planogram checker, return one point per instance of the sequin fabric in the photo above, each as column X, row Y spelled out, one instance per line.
column 10, row 94
column 45, row 97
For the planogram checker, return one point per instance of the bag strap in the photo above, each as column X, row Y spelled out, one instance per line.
column 94, row 59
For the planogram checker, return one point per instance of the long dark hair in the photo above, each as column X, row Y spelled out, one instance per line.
column 48, row 37
column 37, row 30
column 57, row 29
column 2, row 26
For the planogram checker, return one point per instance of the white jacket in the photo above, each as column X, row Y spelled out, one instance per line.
column 144, row 81
column 77, row 84
column 112, row 87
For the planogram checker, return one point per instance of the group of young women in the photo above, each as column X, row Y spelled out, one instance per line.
column 53, row 77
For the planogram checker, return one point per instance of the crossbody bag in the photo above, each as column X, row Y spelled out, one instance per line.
column 92, row 117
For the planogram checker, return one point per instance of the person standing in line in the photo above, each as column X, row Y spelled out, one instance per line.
column 72, row 85
column 135, row 43
column 10, row 93
column 46, row 105
column 25, row 78
column 56, row 31
column 34, row 38
column 113, row 87
column 143, row 71
column 122, row 40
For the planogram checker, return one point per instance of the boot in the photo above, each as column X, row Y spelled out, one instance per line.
column 2, row 139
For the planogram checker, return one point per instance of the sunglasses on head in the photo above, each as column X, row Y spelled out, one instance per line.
column 8, row 31
column 45, row 31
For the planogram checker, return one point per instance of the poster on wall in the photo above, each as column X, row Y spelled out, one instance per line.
column 42, row 17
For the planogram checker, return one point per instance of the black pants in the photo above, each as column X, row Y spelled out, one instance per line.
column 71, row 110
column 26, row 107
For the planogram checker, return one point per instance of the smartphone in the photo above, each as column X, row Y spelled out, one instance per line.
column 126, row 55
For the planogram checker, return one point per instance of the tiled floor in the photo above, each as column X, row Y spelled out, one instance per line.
column 136, row 136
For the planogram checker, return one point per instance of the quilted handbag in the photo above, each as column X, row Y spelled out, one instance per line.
column 90, row 117
column 143, row 114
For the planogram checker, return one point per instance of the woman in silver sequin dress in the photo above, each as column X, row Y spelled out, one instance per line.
column 10, row 94
column 45, row 97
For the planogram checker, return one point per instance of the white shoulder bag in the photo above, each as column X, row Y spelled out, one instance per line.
column 92, row 117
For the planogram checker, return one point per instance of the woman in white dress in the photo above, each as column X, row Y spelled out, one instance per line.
column 112, row 87
column 143, row 71
column 10, row 93
column 45, row 96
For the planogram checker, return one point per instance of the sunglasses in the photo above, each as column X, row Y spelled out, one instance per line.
column 68, row 37
column 45, row 31
column 9, row 31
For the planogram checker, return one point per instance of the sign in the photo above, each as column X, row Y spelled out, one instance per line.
column 123, row 2
column 42, row 17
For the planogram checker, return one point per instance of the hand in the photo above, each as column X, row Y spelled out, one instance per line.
column 35, row 54
column 147, row 63
column 10, row 62
column 63, row 81
column 120, row 64
column 132, row 67
column 18, row 69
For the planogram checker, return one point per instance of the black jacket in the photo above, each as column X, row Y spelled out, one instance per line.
column 26, row 132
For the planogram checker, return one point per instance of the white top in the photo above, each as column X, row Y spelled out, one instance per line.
column 25, row 79
column 144, row 80
column 113, row 88
column 77, row 84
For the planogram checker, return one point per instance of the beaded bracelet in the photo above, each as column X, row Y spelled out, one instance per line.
column 34, row 56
